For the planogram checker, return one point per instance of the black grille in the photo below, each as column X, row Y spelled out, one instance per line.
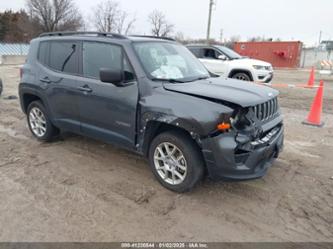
column 266, row 110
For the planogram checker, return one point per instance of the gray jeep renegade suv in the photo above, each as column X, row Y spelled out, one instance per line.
column 152, row 96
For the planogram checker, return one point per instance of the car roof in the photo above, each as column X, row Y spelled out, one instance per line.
column 204, row 45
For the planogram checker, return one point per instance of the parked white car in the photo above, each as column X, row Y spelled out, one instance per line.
column 224, row 61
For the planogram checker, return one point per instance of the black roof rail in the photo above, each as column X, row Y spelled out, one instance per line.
column 155, row 37
column 68, row 33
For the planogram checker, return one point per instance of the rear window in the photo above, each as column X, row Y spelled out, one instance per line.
column 43, row 53
column 64, row 56
column 60, row 56
column 196, row 51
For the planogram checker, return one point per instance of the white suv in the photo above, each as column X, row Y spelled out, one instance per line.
column 224, row 61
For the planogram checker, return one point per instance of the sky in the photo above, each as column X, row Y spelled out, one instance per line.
column 285, row 19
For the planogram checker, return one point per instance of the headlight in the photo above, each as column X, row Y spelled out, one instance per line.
column 240, row 120
column 257, row 67
column 267, row 68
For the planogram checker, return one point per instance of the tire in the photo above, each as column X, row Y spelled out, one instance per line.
column 39, row 122
column 190, row 167
column 242, row 76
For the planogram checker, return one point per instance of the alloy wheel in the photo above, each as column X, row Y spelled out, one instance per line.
column 242, row 77
column 37, row 122
column 170, row 163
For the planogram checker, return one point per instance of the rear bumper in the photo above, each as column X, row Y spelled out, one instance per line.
column 224, row 159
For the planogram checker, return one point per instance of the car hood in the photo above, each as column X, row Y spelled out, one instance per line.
column 233, row 91
column 250, row 62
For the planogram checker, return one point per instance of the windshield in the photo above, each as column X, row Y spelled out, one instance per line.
column 229, row 52
column 169, row 61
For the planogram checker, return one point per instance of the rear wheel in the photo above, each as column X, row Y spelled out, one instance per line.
column 39, row 122
column 176, row 161
column 241, row 76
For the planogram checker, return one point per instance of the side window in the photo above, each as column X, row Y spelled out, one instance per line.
column 197, row 52
column 97, row 55
column 218, row 53
column 128, row 71
column 64, row 56
column 211, row 53
column 43, row 53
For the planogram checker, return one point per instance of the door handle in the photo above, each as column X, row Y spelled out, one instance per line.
column 85, row 88
column 45, row 80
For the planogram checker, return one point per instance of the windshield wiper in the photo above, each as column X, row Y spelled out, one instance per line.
column 168, row 80
column 202, row 78
column 198, row 78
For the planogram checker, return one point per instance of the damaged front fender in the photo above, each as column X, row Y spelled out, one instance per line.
column 198, row 118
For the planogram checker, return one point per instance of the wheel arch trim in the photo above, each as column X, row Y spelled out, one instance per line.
column 29, row 91
column 151, row 128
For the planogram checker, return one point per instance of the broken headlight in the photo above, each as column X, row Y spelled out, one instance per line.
column 240, row 120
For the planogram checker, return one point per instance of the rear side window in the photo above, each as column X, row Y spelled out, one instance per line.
column 97, row 55
column 64, row 56
column 43, row 53
column 197, row 52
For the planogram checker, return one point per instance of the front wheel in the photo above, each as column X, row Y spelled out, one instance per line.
column 176, row 161
column 241, row 76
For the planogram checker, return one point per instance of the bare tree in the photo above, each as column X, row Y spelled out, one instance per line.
column 260, row 39
column 231, row 41
column 108, row 17
column 160, row 25
column 55, row 15
column 180, row 37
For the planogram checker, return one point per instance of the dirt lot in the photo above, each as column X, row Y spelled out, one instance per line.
column 78, row 189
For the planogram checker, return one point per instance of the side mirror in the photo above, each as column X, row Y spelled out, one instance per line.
column 222, row 57
column 112, row 76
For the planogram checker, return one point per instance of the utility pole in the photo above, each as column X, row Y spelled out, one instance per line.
column 319, row 41
column 221, row 35
column 211, row 3
column 320, row 34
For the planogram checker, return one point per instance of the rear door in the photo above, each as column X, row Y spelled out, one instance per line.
column 107, row 112
column 58, row 63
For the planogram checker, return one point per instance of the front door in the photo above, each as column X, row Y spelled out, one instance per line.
column 213, row 63
column 107, row 112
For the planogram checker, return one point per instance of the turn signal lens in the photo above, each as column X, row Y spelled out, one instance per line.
column 223, row 126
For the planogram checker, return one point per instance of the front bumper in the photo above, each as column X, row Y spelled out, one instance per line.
column 225, row 160
column 264, row 77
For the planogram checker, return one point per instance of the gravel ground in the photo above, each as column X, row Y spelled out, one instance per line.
column 79, row 189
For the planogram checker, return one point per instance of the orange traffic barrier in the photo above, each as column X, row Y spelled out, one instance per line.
column 312, row 78
column 314, row 117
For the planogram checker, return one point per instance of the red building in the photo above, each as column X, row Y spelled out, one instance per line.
column 279, row 54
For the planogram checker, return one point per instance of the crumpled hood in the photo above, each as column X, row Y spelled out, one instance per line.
column 234, row 91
